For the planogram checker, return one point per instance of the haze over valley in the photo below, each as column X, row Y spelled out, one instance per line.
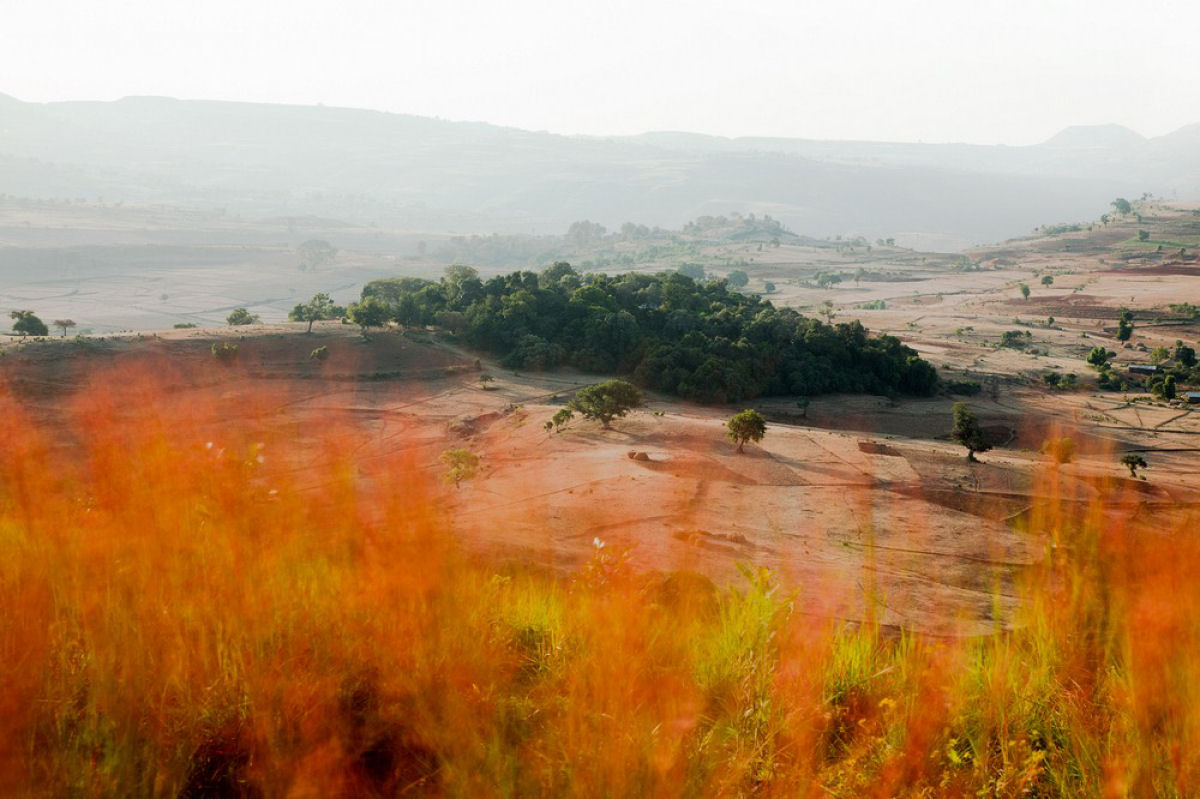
column 411, row 173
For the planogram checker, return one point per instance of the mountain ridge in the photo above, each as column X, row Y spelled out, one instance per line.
column 409, row 171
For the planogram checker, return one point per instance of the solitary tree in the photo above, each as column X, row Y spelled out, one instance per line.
column 827, row 310
column 1124, row 330
column 241, row 316
column 749, row 425
column 606, row 401
column 966, row 431
column 371, row 312
column 315, row 253
column 1098, row 357
column 26, row 323
column 1024, row 290
column 461, row 464
column 1184, row 355
column 1060, row 450
column 321, row 306
column 1133, row 462
column 802, row 403
column 561, row 417
column 63, row 324
column 1122, row 206
column 1047, row 280
column 484, row 379
column 737, row 278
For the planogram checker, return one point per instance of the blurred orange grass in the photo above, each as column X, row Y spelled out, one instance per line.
column 205, row 597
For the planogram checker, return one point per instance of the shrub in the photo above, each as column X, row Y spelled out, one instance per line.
column 224, row 352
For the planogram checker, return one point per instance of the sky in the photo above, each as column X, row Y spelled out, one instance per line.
column 1013, row 72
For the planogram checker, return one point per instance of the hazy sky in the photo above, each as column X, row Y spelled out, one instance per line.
column 1012, row 72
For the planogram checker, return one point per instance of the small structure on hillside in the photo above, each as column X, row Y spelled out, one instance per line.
column 1191, row 397
column 1143, row 369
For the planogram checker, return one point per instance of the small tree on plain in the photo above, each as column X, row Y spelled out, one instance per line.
column 320, row 307
column 1047, row 280
column 1133, row 462
column 606, row 401
column 26, row 323
column 1124, row 330
column 1060, row 450
column 1099, row 357
column 966, row 431
column 1185, row 355
column 241, row 316
column 749, row 425
column 315, row 253
column 63, row 324
column 561, row 417
column 484, row 380
column 1024, row 290
column 225, row 352
column 827, row 310
column 461, row 464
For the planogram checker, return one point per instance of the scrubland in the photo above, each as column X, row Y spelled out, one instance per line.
column 205, row 597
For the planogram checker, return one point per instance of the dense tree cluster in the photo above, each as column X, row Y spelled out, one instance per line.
column 699, row 341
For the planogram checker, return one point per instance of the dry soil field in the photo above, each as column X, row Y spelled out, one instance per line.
column 862, row 502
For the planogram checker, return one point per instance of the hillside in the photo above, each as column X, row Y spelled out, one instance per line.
column 414, row 173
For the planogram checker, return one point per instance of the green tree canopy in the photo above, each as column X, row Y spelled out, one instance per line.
column 26, row 323
column 1099, row 356
column 1124, row 330
column 701, row 341
column 320, row 307
column 241, row 316
column 749, row 425
column 1133, row 462
column 967, row 431
column 371, row 312
column 606, row 401
column 1184, row 355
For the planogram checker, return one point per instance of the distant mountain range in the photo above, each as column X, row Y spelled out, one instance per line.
column 409, row 172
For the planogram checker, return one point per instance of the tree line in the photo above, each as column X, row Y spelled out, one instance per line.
column 695, row 340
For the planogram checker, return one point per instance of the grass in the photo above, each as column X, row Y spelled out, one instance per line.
column 1187, row 242
column 204, row 598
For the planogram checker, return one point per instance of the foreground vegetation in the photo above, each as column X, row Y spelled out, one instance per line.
column 198, row 603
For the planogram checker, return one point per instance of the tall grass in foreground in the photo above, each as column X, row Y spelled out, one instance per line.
column 204, row 600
